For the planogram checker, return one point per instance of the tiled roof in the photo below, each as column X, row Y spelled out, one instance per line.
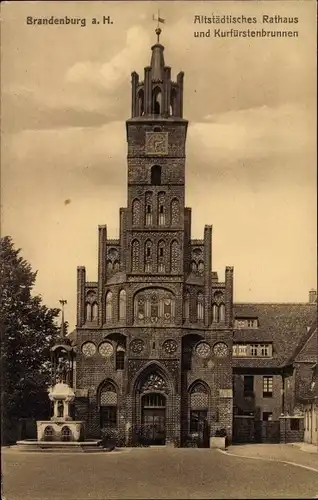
column 285, row 324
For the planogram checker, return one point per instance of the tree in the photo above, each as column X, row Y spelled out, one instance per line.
column 28, row 330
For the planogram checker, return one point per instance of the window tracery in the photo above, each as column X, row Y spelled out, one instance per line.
column 154, row 383
column 154, row 306
column 200, row 306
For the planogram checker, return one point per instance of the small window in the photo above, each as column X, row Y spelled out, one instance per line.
column 120, row 358
column 161, row 268
column 156, row 175
column 294, row 424
column 267, row 387
column 66, row 434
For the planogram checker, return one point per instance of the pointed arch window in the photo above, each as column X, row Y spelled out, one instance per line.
column 187, row 306
column 148, row 256
column 109, row 267
column 161, row 209
column 222, row 313
column 120, row 358
column 156, row 101
column 108, row 406
column 109, row 306
column 175, row 212
column 88, row 312
column 215, row 313
column 136, row 212
column 156, row 175
column 135, row 255
column 200, row 306
column 199, row 403
column 194, row 266
column 140, row 102
column 161, row 256
column 175, row 257
column 116, row 266
column 122, row 305
column 148, row 209
column 94, row 311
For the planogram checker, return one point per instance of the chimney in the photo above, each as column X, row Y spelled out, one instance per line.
column 312, row 296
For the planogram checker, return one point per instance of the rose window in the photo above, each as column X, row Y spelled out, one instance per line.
column 203, row 350
column 88, row 349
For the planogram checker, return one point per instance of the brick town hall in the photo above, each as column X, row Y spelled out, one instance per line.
column 162, row 351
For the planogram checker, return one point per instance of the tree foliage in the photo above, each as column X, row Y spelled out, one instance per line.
column 28, row 330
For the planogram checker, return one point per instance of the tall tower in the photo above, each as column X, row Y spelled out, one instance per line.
column 156, row 136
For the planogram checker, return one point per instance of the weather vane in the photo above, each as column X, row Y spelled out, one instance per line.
column 159, row 20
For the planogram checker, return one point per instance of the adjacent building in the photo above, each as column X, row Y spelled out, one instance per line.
column 163, row 354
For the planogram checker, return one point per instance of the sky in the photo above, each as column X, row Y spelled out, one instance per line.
column 251, row 146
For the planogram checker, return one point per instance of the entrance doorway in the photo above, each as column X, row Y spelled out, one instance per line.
column 154, row 419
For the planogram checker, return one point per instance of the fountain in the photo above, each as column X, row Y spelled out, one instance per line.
column 61, row 432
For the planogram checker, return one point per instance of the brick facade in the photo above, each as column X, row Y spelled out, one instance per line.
column 155, row 333
column 154, row 294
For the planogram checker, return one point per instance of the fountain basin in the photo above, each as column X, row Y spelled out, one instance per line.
column 88, row 445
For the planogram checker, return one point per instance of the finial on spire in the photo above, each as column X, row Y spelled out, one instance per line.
column 62, row 302
column 158, row 29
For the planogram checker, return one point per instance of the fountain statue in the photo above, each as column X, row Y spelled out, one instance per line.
column 61, row 430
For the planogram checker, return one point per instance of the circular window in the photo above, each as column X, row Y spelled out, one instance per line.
column 220, row 350
column 106, row 349
column 170, row 346
column 88, row 349
column 136, row 346
column 203, row 349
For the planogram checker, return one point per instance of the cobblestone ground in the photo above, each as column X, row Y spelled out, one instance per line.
column 154, row 473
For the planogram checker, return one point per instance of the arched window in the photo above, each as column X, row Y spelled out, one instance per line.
column 116, row 266
column 175, row 212
column 222, row 312
column 161, row 209
column 156, row 175
column 109, row 267
column 140, row 102
column 148, row 208
column 161, row 256
column 215, row 313
column 194, row 266
column 200, row 306
column 175, row 257
column 66, row 434
column 157, row 129
column 120, row 358
column 48, row 433
column 135, row 251
column 173, row 102
column 109, row 306
column 186, row 313
column 108, row 405
column 136, row 212
column 156, row 101
column 94, row 312
column 88, row 311
column 122, row 305
column 148, row 256
column 199, row 403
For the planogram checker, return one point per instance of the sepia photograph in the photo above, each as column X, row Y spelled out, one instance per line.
column 158, row 256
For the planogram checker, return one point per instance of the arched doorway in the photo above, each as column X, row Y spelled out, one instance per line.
column 154, row 418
